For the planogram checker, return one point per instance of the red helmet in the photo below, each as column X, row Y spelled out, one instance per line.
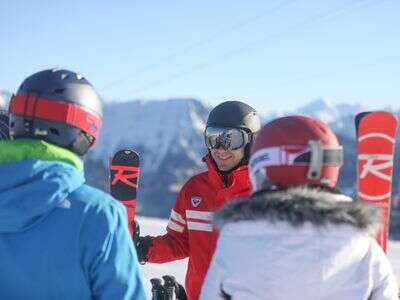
column 293, row 151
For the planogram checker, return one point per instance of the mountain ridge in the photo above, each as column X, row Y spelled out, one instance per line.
column 168, row 135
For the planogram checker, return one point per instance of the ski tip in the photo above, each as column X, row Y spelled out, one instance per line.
column 126, row 151
column 359, row 117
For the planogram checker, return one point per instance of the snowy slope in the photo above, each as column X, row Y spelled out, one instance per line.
column 156, row 226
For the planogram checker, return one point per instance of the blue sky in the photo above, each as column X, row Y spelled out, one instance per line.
column 272, row 54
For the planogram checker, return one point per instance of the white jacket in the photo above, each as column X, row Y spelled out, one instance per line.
column 299, row 244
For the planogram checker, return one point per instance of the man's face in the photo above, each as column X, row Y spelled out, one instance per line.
column 227, row 159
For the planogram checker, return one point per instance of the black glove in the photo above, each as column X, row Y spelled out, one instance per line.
column 142, row 244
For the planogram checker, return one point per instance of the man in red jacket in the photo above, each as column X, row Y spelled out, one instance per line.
column 229, row 133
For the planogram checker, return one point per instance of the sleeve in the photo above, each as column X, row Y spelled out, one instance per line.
column 212, row 286
column 385, row 284
column 175, row 243
column 109, row 257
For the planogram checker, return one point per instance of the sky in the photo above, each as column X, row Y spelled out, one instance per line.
column 274, row 55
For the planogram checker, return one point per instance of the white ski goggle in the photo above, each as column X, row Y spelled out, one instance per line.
column 227, row 138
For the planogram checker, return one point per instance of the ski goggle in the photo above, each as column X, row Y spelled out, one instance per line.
column 227, row 138
column 313, row 155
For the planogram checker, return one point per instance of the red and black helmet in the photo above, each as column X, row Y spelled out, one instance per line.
column 58, row 106
column 293, row 151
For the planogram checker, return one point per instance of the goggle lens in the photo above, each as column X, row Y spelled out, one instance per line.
column 227, row 138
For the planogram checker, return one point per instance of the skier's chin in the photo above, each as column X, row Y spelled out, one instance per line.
column 224, row 165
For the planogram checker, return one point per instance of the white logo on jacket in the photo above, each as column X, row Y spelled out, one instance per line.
column 195, row 201
column 64, row 204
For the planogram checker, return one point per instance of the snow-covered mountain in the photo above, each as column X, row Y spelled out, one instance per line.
column 157, row 128
column 169, row 138
column 168, row 135
column 4, row 98
column 340, row 116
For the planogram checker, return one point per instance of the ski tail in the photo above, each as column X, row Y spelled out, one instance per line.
column 124, row 181
column 376, row 135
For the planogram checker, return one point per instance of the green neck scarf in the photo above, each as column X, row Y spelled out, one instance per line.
column 16, row 150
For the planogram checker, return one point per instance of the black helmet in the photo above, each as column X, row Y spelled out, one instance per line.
column 234, row 114
column 58, row 106
column 3, row 125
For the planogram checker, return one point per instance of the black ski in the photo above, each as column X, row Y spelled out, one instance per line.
column 124, row 179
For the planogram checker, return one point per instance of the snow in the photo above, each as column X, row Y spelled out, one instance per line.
column 154, row 226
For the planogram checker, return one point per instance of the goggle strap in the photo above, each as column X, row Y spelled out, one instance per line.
column 278, row 156
column 316, row 160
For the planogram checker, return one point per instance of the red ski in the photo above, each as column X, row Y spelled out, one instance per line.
column 124, row 179
column 376, row 137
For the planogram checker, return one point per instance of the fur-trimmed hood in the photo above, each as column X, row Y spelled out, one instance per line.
column 298, row 206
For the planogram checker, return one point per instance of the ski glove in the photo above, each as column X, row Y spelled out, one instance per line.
column 143, row 245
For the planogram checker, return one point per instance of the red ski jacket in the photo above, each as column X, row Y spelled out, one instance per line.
column 190, row 232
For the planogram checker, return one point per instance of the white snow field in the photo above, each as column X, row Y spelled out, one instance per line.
column 154, row 226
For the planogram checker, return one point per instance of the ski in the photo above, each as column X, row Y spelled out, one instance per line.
column 124, row 180
column 376, row 139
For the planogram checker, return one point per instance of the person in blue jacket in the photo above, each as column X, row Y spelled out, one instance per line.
column 59, row 238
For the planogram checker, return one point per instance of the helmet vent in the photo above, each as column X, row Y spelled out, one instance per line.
column 64, row 76
column 54, row 131
column 58, row 91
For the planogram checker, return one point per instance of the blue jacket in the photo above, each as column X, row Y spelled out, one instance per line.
column 59, row 238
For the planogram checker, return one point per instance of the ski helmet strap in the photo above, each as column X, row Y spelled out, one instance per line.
column 316, row 160
column 31, row 98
